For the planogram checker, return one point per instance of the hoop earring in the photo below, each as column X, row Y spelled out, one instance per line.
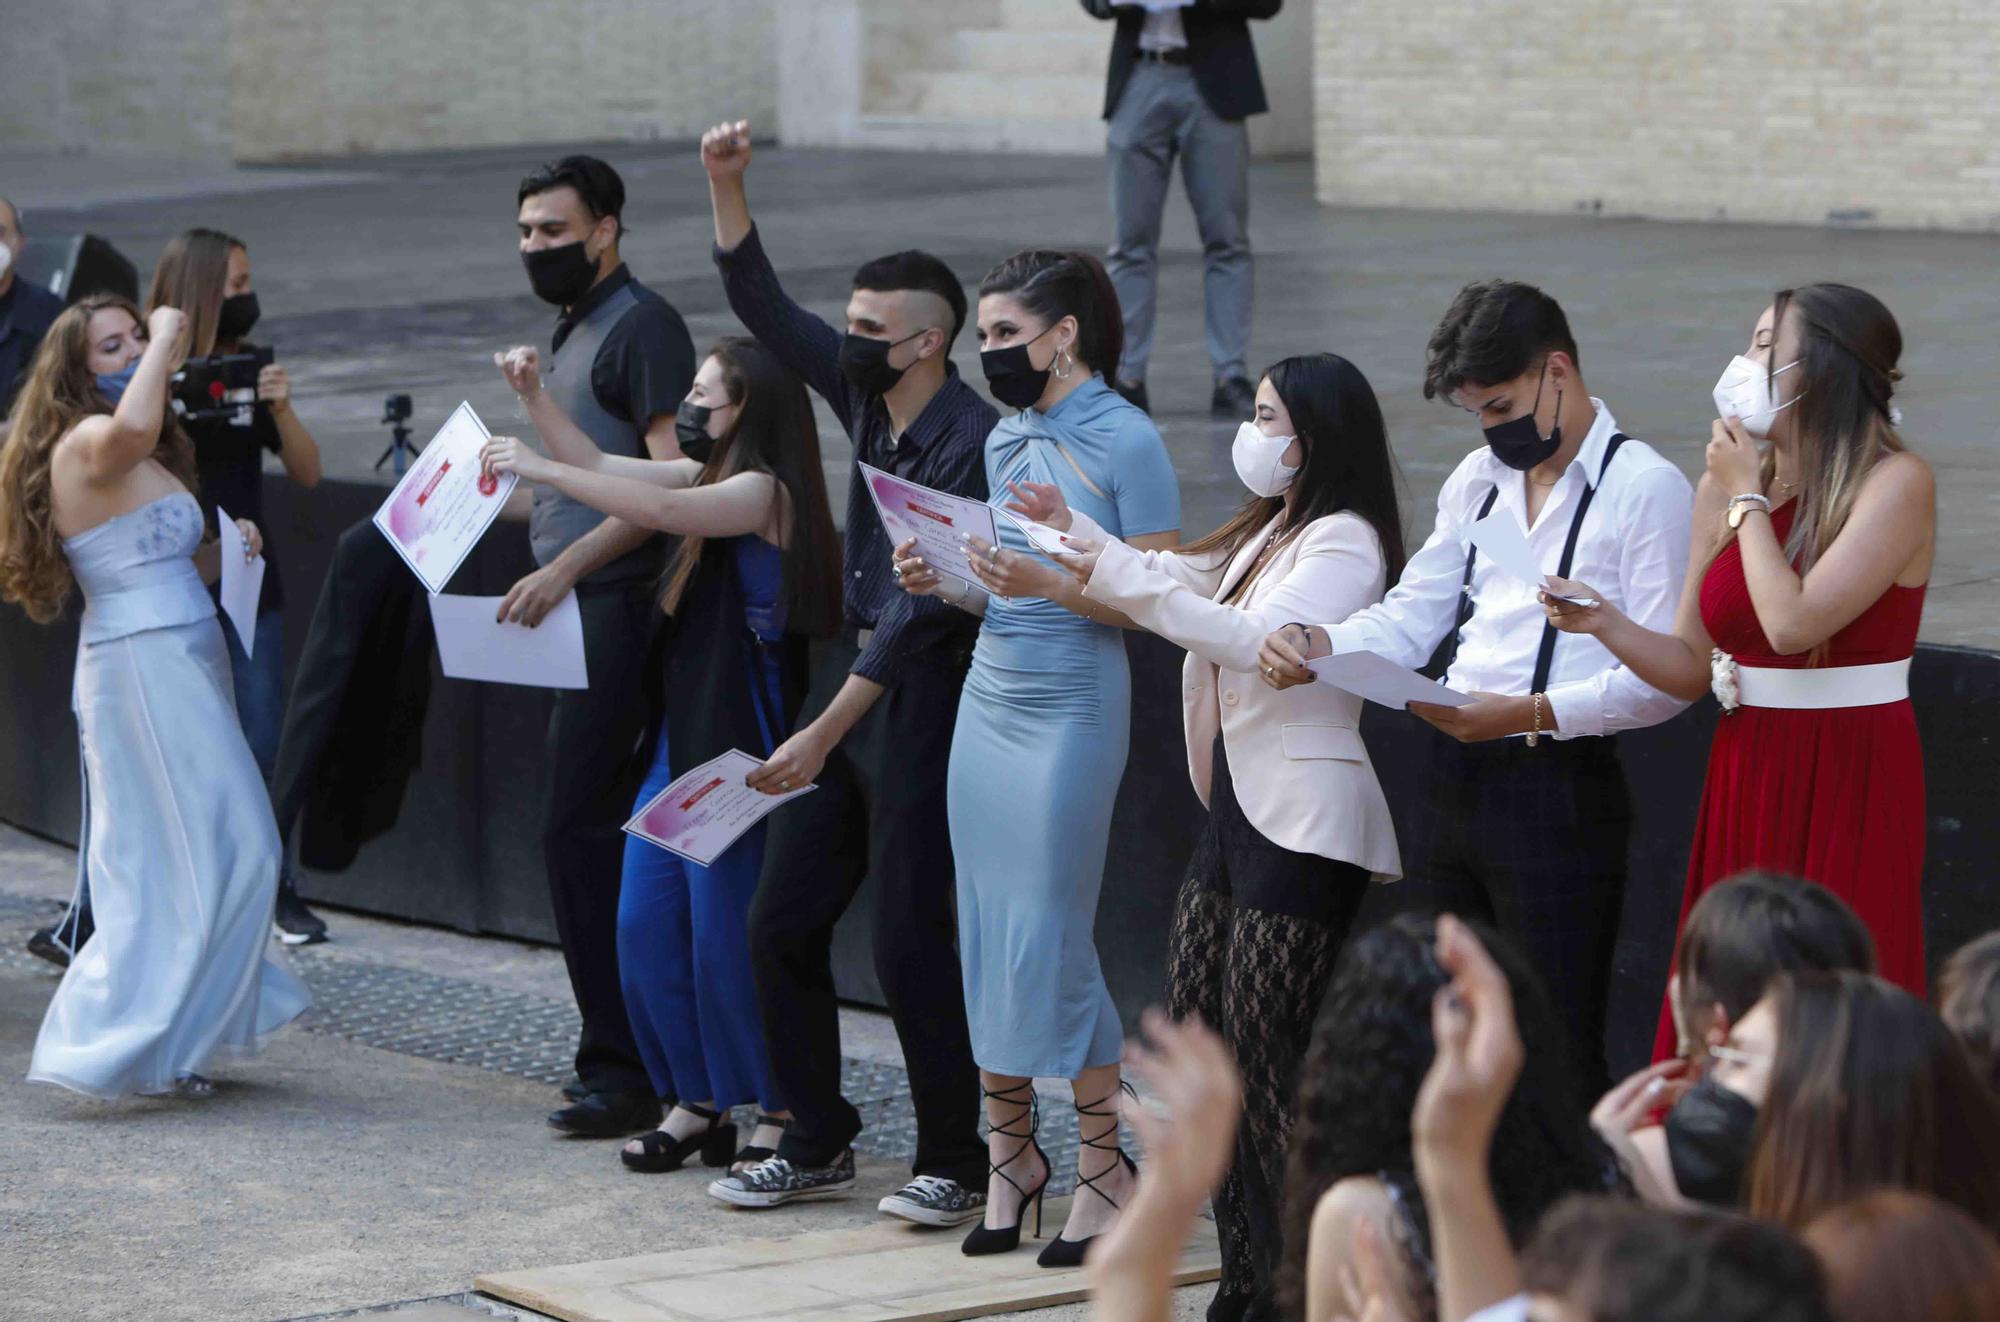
column 1065, row 364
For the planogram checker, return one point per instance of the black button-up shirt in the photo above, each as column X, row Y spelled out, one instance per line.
column 944, row 448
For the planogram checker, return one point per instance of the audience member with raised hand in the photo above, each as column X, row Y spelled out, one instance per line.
column 1893, row 1256
column 1740, row 936
column 1186, row 1127
column 751, row 581
column 1352, row 1158
column 1969, row 1000
column 1043, row 730
column 1297, row 825
column 1815, row 531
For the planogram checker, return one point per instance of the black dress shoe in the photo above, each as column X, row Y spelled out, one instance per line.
column 1234, row 397
column 575, row 1090
column 609, row 1115
column 45, row 945
column 1135, row 394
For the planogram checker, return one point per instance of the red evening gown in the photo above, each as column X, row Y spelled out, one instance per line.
column 1836, row 796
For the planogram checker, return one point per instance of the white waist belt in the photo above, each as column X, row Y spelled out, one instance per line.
column 1834, row 686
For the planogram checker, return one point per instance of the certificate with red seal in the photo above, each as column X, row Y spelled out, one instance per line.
column 707, row 808
column 444, row 505
column 938, row 520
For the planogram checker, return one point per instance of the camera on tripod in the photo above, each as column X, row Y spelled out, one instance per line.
column 396, row 411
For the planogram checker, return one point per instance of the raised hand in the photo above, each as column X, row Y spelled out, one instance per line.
column 166, row 328
column 725, row 149
column 1189, row 1132
column 1479, row 1052
column 522, row 368
column 1733, row 458
column 1042, row 502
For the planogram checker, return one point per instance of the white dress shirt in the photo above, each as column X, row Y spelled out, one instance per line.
column 1163, row 30
column 1633, row 549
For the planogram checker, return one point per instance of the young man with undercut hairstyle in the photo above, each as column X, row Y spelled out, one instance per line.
column 875, row 739
column 1523, row 819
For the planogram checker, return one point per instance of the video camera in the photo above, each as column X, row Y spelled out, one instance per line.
column 218, row 386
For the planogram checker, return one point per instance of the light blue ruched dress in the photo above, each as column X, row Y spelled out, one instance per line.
column 179, row 845
column 1039, row 749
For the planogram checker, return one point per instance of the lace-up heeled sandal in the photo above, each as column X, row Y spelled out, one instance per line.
column 1062, row 1252
column 983, row 1240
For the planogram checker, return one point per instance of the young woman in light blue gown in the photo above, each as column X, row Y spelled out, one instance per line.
column 1042, row 734
column 179, row 845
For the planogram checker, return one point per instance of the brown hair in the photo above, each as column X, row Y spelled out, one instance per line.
column 1756, row 925
column 1968, row 995
column 192, row 275
column 59, row 392
column 773, row 433
column 1892, row 1256
column 1869, row 1089
column 1053, row 285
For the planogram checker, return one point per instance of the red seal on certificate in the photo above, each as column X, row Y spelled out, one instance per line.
column 488, row 484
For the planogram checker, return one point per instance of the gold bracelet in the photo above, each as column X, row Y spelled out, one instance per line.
column 1535, row 734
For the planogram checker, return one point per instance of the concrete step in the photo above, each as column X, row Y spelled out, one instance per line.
column 987, row 50
column 971, row 95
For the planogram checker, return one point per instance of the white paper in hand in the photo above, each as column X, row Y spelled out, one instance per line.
column 242, row 581
column 1045, row 539
column 473, row 645
column 1501, row 539
column 1380, row 680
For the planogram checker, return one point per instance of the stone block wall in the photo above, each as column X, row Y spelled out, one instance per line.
column 1847, row 111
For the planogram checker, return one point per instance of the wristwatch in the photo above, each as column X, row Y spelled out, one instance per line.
column 1740, row 505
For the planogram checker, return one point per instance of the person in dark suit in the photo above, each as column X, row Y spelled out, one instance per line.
column 1183, row 80
column 26, row 309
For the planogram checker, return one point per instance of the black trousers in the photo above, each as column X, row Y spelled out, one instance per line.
column 1257, row 930
column 879, row 811
column 1533, row 841
column 593, row 776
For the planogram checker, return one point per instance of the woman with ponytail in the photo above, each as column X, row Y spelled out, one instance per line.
column 1042, row 732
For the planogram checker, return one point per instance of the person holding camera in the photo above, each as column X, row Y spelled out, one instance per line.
column 206, row 273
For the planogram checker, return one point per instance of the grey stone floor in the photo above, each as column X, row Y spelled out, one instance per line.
column 400, row 274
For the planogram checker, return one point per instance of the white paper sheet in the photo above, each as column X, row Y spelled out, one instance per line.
column 704, row 811
column 1501, row 539
column 242, row 582
column 473, row 645
column 1379, row 679
column 1045, row 539
column 937, row 519
column 443, row 506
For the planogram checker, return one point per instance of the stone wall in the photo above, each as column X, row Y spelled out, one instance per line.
column 111, row 76
column 1815, row 111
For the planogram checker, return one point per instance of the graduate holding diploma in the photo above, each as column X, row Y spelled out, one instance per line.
column 750, row 581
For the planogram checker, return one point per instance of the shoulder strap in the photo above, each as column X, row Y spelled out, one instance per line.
column 1465, row 587
column 1545, row 657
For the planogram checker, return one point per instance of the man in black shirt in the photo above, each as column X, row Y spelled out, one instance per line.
column 26, row 310
column 621, row 362
column 877, row 743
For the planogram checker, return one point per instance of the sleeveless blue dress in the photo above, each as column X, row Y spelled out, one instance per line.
column 1039, row 748
column 179, row 846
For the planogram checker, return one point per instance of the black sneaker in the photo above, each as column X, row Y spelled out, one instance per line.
column 933, row 1200
column 298, row 925
column 1233, row 398
column 1135, row 394
column 774, row 1181
column 44, row 945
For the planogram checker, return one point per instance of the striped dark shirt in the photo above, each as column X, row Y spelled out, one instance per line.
column 944, row 449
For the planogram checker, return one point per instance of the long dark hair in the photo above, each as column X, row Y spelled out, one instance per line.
column 1053, row 285
column 1371, row 1048
column 773, row 433
column 193, row 275
column 1347, row 463
column 1869, row 1089
column 1754, row 926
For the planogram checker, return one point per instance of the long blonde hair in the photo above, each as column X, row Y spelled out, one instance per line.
column 192, row 274
column 60, row 392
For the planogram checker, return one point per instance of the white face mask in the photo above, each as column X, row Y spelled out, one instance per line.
column 1260, row 460
column 1748, row 393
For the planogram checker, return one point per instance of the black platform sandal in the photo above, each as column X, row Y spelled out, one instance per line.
column 1005, row 1239
column 660, row 1151
column 753, row 1153
column 1062, row 1252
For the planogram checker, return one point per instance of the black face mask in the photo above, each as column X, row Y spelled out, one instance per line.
column 865, row 363
column 560, row 275
column 1708, row 1143
column 239, row 313
column 1518, row 442
column 1013, row 379
column 691, row 430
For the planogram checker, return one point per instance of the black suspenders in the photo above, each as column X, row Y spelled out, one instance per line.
column 1546, row 655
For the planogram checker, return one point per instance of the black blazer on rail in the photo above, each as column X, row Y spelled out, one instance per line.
column 1220, row 53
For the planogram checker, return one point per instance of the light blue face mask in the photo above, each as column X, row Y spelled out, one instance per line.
column 112, row 384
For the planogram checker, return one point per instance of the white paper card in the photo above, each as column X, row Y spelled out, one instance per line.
column 1500, row 537
column 704, row 811
column 1379, row 679
column 937, row 519
column 472, row 644
column 242, row 581
column 443, row 505
column 1043, row 538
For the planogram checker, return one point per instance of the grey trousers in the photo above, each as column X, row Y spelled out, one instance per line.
column 1161, row 115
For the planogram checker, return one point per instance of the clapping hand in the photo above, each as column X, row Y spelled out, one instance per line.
column 1189, row 1131
column 1042, row 502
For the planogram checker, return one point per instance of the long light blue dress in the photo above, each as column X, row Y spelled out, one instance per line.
column 1039, row 749
column 180, row 847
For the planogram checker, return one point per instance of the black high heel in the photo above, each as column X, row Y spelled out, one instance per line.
column 985, row 1239
column 1062, row 1252
column 751, row 1154
column 660, row 1151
